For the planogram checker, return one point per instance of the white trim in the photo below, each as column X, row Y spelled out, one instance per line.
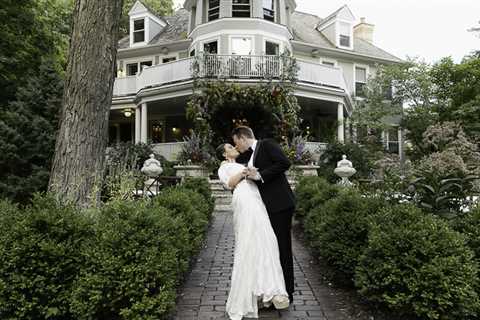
column 326, row 25
column 367, row 74
column 132, row 32
column 240, row 36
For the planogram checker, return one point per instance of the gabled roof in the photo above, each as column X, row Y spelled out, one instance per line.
column 345, row 10
column 140, row 7
column 304, row 30
column 176, row 29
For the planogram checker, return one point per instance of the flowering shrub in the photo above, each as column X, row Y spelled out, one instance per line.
column 194, row 150
column 296, row 151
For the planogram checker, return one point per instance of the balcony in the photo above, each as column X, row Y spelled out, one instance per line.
column 227, row 67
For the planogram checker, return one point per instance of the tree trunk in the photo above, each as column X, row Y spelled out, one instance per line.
column 79, row 162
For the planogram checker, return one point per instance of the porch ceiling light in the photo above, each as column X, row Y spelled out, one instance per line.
column 164, row 50
column 127, row 112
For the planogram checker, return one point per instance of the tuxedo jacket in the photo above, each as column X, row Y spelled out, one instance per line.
column 271, row 162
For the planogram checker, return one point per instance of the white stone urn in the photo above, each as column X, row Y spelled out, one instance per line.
column 344, row 170
column 152, row 169
column 191, row 170
column 304, row 170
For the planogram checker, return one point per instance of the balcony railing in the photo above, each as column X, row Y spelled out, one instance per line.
column 226, row 66
column 240, row 66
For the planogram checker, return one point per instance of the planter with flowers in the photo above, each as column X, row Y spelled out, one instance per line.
column 301, row 159
column 193, row 158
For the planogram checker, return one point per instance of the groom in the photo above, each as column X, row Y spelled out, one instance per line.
column 267, row 165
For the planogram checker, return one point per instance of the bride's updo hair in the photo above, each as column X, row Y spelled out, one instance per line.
column 220, row 151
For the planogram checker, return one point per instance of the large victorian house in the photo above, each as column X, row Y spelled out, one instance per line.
column 335, row 56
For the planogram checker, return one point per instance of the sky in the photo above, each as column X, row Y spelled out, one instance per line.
column 426, row 29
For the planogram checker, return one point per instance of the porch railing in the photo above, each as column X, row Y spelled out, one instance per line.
column 239, row 66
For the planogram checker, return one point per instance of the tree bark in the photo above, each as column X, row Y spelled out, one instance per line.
column 79, row 161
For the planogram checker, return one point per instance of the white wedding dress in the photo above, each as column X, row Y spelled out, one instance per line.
column 257, row 274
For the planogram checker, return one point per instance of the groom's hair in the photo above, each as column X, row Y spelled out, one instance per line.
column 243, row 131
column 220, row 151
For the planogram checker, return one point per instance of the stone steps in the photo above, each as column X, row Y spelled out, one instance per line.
column 223, row 197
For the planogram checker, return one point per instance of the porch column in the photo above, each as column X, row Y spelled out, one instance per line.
column 138, row 113
column 143, row 135
column 400, row 148
column 341, row 126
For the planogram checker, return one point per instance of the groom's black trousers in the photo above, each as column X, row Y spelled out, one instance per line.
column 282, row 226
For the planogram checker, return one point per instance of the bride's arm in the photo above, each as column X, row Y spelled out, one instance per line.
column 236, row 178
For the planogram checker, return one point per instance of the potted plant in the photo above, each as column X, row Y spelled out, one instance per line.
column 300, row 157
column 193, row 157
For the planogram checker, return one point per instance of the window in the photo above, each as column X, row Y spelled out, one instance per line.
column 272, row 48
column 169, row 59
column 241, row 46
column 268, row 10
column 345, row 34
column 132, row 69
column 213, row 9
column 192, row 53
column 241, row 8
column 211, row 47
column 145, row 64
column 360, row 81
column 139, row 30
column 392, row 140
column 328, row 63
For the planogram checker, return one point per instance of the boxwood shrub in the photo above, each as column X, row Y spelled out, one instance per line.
column 312, row 192
column 40, row 250
column 338, row 230
column 415, row 264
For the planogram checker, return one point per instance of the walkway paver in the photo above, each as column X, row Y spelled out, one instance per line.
column 205, row 291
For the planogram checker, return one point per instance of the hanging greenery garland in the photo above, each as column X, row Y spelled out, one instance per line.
column 269, row 106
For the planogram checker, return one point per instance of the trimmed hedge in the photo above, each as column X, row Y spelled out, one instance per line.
column 398, row 256
column 201, row 186
column 41, row 255
column 338, row 230
column 122, row 261
column 415, row 264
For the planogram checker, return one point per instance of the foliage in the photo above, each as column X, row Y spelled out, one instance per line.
column 361, row 159
column 415, row 264
column 195, row 150
column 191, row 208
column 159, row 7
column 32, row 31
column 469, row 226
column 312, row 192
column 337, row 231
column 28, row 127
column 269, row 108
column 201, row 186
column 40, row 247
column 133, row 264
column 444, row 178
column 296, row 152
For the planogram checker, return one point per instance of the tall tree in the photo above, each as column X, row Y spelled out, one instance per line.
column 79, row 159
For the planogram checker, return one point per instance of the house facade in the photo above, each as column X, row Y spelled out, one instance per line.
column 240, row 41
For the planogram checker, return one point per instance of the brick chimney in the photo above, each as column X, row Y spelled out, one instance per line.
column 364, row 30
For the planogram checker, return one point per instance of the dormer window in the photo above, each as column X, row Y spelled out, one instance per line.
column 241, row 8
column 345, row 35
column 139, row 30
column 268, row 10
column 213, row 9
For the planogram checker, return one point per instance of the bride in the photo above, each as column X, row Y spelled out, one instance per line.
column 257, row 276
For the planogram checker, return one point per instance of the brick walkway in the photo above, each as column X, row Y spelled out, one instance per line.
column 205, row 291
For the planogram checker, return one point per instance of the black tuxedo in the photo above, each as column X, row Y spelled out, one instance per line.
column 271, row 162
